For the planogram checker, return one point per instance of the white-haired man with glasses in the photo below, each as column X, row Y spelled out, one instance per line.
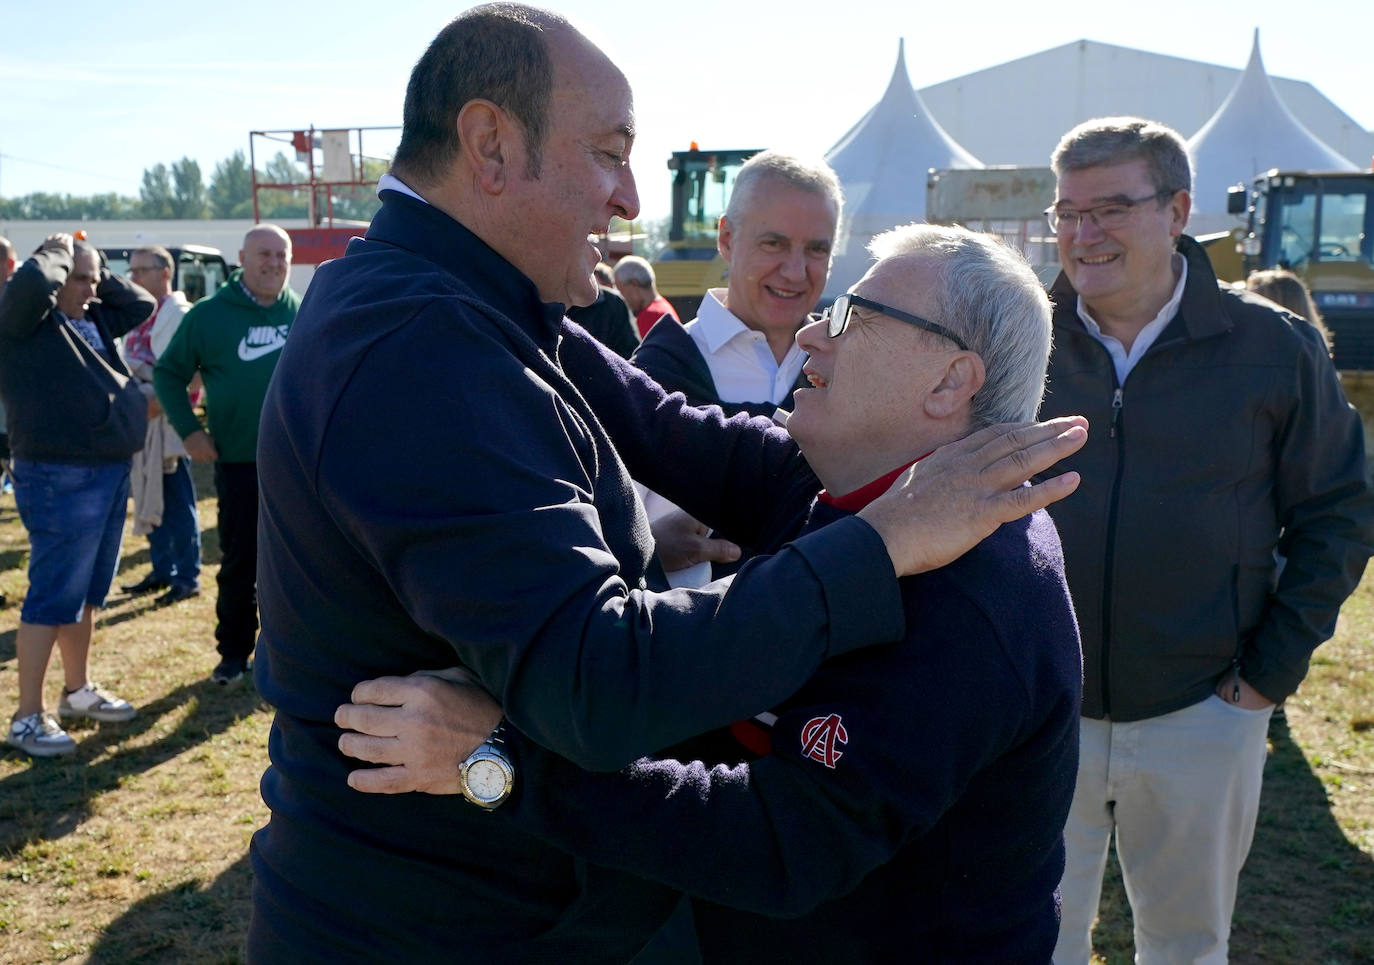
column 164, row 492
column 1221, row 435
column 906, row 804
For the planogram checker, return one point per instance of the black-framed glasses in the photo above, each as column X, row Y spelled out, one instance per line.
column 1108, row 216
column 837, row 317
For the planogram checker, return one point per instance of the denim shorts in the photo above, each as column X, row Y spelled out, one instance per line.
column 75, row 518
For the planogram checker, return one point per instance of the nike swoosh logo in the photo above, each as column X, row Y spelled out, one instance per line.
column 252, row 353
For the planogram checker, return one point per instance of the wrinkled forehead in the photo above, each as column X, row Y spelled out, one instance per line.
column 265, row 239
column 777, row 206
column 909, row 282
column 1104, row 182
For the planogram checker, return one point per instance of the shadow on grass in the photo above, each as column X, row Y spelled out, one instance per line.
column 1306, row 893
column 188, row 923
column 104, row 618
column 50, row 798
column 13, row 559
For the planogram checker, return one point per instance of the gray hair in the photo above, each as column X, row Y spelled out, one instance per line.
column 988, row 294
column 6, row 249
column 497, row 52
column 1116, row 140
column 161, row 255
column 805, row 175
column 636, row 271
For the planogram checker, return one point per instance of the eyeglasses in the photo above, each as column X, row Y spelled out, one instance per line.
column 135, row 269
column 1109, row 216
column 836, row 317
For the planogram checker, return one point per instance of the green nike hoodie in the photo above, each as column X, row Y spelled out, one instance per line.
column 234, row 343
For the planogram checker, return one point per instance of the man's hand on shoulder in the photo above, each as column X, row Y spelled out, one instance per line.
column 422, row 726
column 954, row 498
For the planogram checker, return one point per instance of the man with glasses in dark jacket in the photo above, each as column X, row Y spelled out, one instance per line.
column 1220, row 436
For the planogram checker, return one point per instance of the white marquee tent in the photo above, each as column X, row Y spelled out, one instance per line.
column 882, row 162
column 1250, row 133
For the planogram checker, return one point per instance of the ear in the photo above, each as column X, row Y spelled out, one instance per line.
column 963, row 376
column 484, row 139
column 1179, row 208
column 725, row 237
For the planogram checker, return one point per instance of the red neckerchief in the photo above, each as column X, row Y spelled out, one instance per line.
column 755, row 735
column 861, row 497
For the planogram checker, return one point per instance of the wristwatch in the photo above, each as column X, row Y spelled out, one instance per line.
column 488, row 775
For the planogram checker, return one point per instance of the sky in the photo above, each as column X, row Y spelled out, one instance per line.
column 94, row 93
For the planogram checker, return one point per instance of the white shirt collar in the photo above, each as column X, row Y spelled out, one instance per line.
column 1122, row 360
column 717, row 324
column 389, row 182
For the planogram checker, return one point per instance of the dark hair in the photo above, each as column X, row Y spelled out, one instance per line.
column 496, row 52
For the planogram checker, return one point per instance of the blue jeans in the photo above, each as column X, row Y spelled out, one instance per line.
column 75, row 518
column 174, row 545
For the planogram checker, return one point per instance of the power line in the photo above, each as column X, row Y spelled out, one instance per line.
column 59, row 167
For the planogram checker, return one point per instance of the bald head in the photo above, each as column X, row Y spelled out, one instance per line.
column 498, row 52
column 266, row 261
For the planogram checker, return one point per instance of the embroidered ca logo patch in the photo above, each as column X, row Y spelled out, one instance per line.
column 821, row 737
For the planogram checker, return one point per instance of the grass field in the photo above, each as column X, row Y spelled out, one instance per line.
column 135, row 849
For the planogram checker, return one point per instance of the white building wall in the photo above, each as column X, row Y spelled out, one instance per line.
column 1015, row 113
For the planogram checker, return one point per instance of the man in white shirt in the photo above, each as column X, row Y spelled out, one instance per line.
column 740, row 351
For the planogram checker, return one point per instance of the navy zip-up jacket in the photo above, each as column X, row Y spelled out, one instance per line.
column 445, row 473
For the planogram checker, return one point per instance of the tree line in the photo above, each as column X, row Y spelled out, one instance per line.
column 180, row 191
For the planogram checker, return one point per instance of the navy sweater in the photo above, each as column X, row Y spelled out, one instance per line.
column 445, row 474
column 912, row 806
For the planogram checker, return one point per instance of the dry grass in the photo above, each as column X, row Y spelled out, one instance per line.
column 135, row 849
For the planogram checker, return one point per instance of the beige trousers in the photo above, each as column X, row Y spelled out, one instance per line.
column 1181, row 792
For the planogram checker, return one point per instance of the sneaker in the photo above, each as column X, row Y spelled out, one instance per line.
column 90, row 701
column 40, row 735
column 230, row 669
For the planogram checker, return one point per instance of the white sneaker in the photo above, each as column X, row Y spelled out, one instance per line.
column 90, row 701
column 39, row 735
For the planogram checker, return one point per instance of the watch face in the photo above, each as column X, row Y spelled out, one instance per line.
column 486, row 780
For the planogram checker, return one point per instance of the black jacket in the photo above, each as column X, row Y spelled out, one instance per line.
column 65, row 401
column 670, row 356
column 1230, row 439
column 609, row 321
